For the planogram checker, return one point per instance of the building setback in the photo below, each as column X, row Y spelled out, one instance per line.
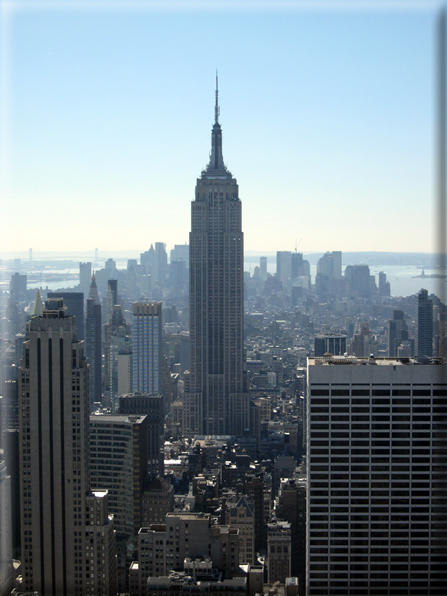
column 375, row 463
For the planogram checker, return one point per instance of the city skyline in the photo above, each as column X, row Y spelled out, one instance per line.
column 103, row 105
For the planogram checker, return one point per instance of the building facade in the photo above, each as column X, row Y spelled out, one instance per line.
column 217, row 298
column 375, row 467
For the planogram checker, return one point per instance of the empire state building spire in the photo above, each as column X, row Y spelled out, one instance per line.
column 216, row 166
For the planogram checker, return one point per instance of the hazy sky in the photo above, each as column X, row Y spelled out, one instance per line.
column 328, row 119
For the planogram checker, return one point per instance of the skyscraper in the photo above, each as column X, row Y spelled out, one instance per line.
column 93, row 349
column 60, row 516
column 424, row 325
column 85, row 277
column 375, row 466
column 216, row 384
column 147, row 350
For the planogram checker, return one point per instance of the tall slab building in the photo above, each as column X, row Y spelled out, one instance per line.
column 216, row 388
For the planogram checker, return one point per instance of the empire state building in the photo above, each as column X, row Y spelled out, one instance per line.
column 216, row 398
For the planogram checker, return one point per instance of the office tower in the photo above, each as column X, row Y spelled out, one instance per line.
column 284, row 267
column 279, row 549
column 359, row 280
column 375, row 475
column 263, row 268
column 177, row 274
column 62, row 533
column 333, row 343
column 299, row 266
column 151, row 406
column 74, row 302
column 124, row 476
column 17, row 284
column 424, row 325
column 85, row 278
column 216, row 288
column 161, row 263
column 93, row 349
column 384, row 285
column 117, row 342
column 397, row 332
column 147, row 349
column 180, row 252
column 111, row 297
column 6, row 575
column 147, row 260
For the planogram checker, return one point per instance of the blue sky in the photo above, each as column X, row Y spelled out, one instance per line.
column 328, row 121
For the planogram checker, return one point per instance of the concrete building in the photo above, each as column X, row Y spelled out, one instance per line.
column 375, row 469
column 424, row 325
column 67, row 537
column 147, row 350
column 279, row 549
column 216, row 293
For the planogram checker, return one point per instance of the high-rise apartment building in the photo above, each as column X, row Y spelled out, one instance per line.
column 147, row 349
column 217, row 385
column 424, row 325
column 375, row 477
column 67, row 538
